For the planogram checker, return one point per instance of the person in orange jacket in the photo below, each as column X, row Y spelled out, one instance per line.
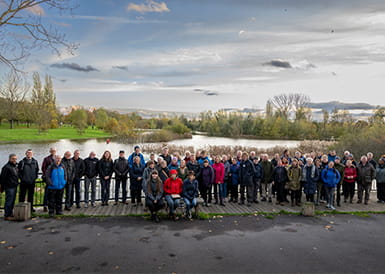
column 173, row 187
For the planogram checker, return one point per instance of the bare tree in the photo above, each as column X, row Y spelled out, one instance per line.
column 23, row 29
column 13, row 90
column 282, row 104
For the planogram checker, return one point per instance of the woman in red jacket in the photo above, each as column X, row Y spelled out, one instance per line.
column 219, row 168
column 349, row 183
column 172, row 190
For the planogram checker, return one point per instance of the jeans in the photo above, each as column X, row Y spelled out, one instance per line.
column 55, row 201
column 10, row 197
column 330, row 194
column 190, row 203
column 76, row 189
column 88, row 182
column 219, row 190
column 364, row 188
column 24, row 188
column 267, row 187
column 68, row 191
column 172, row 203
column 123, row 181
column 105, row 189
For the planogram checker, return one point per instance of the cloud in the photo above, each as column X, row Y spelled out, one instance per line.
column 150, row 6
column 74, row 66
column 278, row 63
column 120, row 67
column 36, row 10
column 206, row 92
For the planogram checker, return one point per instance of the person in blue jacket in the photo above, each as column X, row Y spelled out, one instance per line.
column 330, row 177
column 56, row 178
column 133, row 155
column 310, row 177
column 190, row 193
column 234, row 175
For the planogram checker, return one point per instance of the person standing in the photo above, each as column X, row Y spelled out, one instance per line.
column 90, row 172
column 310, row 175
column 165, row 155
column 219, row 171
column 172, row 190
column 246, row 179
column 193, row 165
column 267, row 167
column 234, row 175
column 331, row 177
column 9, row 181
column 279, row 180
column 365, row 176
column 341, row 169
column 28, row 169
column 106, row 168
column 257, row 178
column 121, row 170
column 79, row 173
column 380, row 178
column 206, row 182
column 154, row 195
column 350, row 176
column 294, row 174
column 190, row 193
column 136, row 179
column 136, row 153
column 56, row 175
column 227, row 164
column 69, row 166
column 47, row 161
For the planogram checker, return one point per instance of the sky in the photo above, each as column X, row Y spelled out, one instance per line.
column 197, row 55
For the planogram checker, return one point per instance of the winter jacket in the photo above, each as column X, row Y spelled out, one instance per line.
column 219, row 169
column 106, row 168
column 294, row 175
column 182, row 174
column 331, row 158
column 207, row 176
column 267, row 171
column 196, row 167
column 69, row 166
column 341, row 169
column 373, row 162
column 246, row 173
column 135, row 172
column 331, row 177
column 227, row 165
column 172, row 186
column 9, row 177
column 79, row 167
column 56, row 176
column 190, row 189
column 365, row 173
column 280, row 175
column 258, row 172
column 201, row 160
column 173, row 166
column 131, row 159
column 91, row 167
column 47, row 161
column 166, row 158
column 380, row 174
column 310, row 177
column 121, row 167
column 154, row 190
column 164, row 173
column 28, row 170
column 350, row 171
column 146, row 177
column 234, row 171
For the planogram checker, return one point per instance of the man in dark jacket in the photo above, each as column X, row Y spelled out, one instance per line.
column 46, row 163
column 90, row 172
column 246, row 179
column 194, row 166
column 280, row 179
column 165, row 155
column 79, row 172
column 257, row 178
column 28, row 169
column 266, row 181
column 69, row 166
column 121, row 170
column 341, row 169
column 56, row 180
column 365, row 176
column 9, row 180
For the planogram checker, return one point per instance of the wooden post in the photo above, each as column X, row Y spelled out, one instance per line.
column 22, row 211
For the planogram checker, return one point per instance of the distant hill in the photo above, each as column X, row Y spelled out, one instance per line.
column 330, row 106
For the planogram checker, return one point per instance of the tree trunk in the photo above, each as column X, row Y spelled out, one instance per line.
column 11, row 124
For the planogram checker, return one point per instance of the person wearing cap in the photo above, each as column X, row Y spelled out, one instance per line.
column 121, row 175
column 136, row 153
column 172, row 190
column 190, row 193
column 154, row 195
column 380, row 178
column 341, row 169
column 136, row 179
column 90, row 173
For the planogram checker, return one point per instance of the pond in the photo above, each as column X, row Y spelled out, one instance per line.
column 41, row 149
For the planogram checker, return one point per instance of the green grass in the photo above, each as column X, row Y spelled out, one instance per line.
column 22, row 133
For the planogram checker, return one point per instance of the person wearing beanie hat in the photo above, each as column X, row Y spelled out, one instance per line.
column 133, row 155
column 172, row 190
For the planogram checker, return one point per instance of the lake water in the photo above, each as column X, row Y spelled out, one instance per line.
column 41, row 149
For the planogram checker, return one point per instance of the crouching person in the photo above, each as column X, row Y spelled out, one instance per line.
column 56, row 177
column 154, row 195
column 190, row 193
column 172, row 191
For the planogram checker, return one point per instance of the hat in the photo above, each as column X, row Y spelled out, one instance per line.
column 173, row 171
column 135, row 147
column 337, row 158
column 121, row 151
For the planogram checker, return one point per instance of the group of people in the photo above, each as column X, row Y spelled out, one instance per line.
column 169, row 179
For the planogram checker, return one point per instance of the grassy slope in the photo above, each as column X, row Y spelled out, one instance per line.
column 22, row 133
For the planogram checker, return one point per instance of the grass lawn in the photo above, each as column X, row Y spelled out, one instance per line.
column 22, row 133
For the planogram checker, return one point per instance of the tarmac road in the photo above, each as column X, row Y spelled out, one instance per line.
column 340, row 243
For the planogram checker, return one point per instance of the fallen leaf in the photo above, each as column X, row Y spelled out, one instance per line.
column 331, row 222
column 98, row 234
column 29, row 228
column 3, row 242
column 117, row 267
column 51, row 253
column 210, row 231
column 328, row 227
column 314, row 248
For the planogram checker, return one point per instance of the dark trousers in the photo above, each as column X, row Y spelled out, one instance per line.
column 281, row 193
column 250, row 190
column 10, row 197
column 206, row 193
column 310, row 198
column 45, row 198
column 257, row 183
column 105, row 189
column 55, row 201
column 339, row 186
column 381, row 191
column 364, row 187
column 75, row 191
column 295, row 196
column 136, row 194
column 154, row 207
column 29, row 190
column 68, row 191
column 234, row 192
column 349, row 190
column 123, row 182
